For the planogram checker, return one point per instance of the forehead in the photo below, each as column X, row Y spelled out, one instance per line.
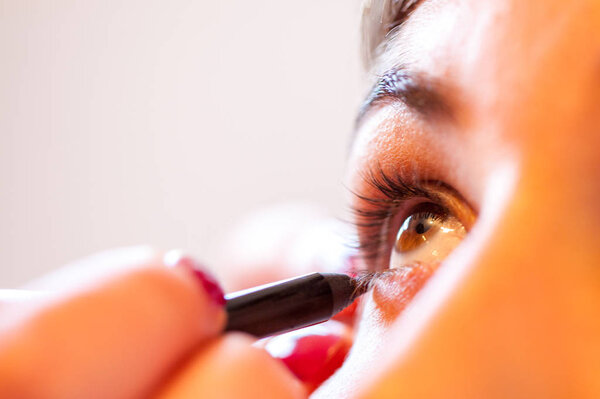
column 382, row 20
column 498, row 56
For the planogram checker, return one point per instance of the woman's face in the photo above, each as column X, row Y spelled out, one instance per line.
column 476, row 168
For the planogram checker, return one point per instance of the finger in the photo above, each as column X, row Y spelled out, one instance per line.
column 89, row 270
column 9, row 296
column 229, row 367
column 313, row 353
column 115, row 339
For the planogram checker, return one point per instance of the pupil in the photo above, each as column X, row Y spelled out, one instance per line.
column 420, row 228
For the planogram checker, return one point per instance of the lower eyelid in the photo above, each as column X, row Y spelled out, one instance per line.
column 394, row 291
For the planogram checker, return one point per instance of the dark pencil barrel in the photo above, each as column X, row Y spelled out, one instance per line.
column 290, row 304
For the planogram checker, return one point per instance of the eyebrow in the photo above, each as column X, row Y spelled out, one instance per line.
column 423, row 96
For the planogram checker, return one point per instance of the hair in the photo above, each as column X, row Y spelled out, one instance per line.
column 379, row 19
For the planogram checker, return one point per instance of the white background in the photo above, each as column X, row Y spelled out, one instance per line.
column 162, row 122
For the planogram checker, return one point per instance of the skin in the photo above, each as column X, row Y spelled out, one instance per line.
column 512, row 312
column 87, row 336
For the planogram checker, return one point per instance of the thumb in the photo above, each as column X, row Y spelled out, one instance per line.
column 230, row 367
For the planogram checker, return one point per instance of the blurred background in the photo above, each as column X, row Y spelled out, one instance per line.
column 129, row 122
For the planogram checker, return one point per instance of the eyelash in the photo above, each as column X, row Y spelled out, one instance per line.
column 373, row 214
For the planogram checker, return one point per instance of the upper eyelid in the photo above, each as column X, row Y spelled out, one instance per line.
column 372, row 214
column 392, row 187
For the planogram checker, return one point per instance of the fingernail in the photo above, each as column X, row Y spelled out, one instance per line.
column 312, row 354
column 177, row 259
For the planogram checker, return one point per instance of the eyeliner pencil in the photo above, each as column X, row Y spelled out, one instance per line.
column 291, row 304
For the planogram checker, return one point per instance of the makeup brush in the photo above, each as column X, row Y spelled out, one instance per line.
column 291, row 304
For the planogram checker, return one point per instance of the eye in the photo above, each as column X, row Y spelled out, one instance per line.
column 427, row 235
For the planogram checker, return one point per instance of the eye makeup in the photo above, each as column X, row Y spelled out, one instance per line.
column 393, row 217
column 298, row 302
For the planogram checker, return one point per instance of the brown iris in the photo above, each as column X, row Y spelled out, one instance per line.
column 428, row 234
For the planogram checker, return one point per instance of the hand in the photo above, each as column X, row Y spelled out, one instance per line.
column 123, row 325
column 284, row 241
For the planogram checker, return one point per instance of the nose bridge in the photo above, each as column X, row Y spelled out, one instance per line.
column 524, row 320
column 555, row 130
column 553, row 211
column 532, row 303
column 553, row 125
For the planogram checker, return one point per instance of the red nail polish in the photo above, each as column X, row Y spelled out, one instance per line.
column 312, row 354
column 208, row 282
column 211, row 286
